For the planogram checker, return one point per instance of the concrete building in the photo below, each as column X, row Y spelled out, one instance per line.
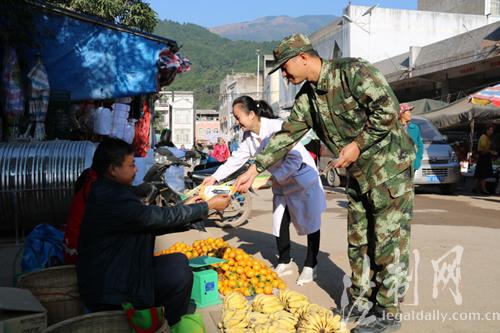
column 477, row 7
column 377, row 34
column 176, row 111
column 448, row 69
column 207, row 127
column 233, row 86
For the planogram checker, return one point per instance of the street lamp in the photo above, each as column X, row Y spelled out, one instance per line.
column 258, row 70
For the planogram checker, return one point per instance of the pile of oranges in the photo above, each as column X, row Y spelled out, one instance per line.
column 241, row 272
column 207, row 247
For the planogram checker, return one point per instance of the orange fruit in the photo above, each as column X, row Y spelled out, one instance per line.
column 268, row 290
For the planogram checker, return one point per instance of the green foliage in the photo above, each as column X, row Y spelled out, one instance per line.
column 132, row 13
column 213, row 57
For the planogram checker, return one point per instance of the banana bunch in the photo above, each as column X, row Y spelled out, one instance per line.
column 312, row 308
column 292, row 300
column 256, row 319
column 233, row 319
column 266, row 304
column 272, row 327
column 238, row 330
column 321, row 322
column 236, row 301
column 284, row 319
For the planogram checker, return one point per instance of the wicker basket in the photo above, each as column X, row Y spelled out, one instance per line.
column 57, row 289
column 98, row 322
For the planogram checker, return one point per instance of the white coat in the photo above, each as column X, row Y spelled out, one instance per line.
column 296, row 181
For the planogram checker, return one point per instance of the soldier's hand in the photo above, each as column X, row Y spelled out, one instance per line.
column 219, row 202
column 209, row 181
column 348, row 155
column 244, row 181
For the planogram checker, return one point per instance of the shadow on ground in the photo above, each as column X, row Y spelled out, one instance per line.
column 330, row 276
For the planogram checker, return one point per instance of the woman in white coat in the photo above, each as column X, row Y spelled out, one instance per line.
column 298, row 193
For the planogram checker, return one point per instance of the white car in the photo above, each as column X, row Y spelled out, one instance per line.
column 440, row 166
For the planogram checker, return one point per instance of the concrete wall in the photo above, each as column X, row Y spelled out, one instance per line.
column 389, row 32
column 477, row 7
column 324, row 40
column 230, row 88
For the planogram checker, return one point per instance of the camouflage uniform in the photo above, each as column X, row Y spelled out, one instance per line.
column 352, row 102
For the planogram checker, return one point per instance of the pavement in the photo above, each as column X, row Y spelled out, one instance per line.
column 454, row 266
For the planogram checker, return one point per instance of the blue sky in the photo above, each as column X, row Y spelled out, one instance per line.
column 211, row 13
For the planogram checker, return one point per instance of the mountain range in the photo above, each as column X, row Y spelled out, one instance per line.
column 214, row 55
column 271, row 28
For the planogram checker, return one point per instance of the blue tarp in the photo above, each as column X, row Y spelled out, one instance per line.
column 93, row 61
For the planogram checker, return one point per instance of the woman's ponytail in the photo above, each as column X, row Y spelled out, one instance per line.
column 265, row 110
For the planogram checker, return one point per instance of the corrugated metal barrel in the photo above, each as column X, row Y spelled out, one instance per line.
column 37, row 178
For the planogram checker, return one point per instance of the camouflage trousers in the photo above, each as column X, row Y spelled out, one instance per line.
column 378, row 235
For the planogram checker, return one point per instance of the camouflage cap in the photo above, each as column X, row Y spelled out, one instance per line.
column 288, row 48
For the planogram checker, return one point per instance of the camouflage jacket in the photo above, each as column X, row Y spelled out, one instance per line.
column 351, row 101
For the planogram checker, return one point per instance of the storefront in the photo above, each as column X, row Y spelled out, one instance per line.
column 81, row 80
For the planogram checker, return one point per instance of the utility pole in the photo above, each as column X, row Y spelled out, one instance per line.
column 258, row 75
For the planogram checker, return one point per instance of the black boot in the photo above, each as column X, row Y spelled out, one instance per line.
column 384, row 323
column 353, row 313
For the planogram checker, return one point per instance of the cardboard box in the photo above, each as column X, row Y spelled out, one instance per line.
column 21, row 312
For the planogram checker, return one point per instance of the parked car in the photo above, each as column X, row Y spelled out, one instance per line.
column 440, row 166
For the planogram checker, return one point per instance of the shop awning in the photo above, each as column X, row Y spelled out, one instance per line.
column 93, row 59
column 487, row 96
column 462, row 113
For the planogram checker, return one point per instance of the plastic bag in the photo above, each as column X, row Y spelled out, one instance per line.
column 192, row 323
column 43, row 248
column 102, row 121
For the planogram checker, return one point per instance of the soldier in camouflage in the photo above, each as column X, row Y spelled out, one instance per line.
column 354, row 112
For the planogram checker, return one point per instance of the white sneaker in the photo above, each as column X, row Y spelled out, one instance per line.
column 284, row 269
column 308, row 275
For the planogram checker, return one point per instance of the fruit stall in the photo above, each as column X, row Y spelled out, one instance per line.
column 255, row 299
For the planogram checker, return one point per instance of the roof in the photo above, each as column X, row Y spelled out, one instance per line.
column 91, row 59
column 211, row 112
column 110, row 25
column 462, row 113
column 473, row 46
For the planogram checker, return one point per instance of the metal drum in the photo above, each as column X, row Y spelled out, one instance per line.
column 36, row 181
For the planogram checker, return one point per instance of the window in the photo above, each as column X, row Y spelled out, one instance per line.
column 495, row 7
column 182, row 136
column 208, row 131
column 215, row 131
column 201, row 131
column 182, row 117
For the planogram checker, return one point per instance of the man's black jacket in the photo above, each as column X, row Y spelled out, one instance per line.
column 115, row 249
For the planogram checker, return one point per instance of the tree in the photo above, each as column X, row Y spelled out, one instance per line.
column 132, row 13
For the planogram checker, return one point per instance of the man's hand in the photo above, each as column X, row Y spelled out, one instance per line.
column 219, row 202
column 194, row 199
column 209, row 181
column 244, row 181
column 348, row 155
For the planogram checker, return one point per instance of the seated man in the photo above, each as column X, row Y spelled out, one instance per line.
column 117, row 235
